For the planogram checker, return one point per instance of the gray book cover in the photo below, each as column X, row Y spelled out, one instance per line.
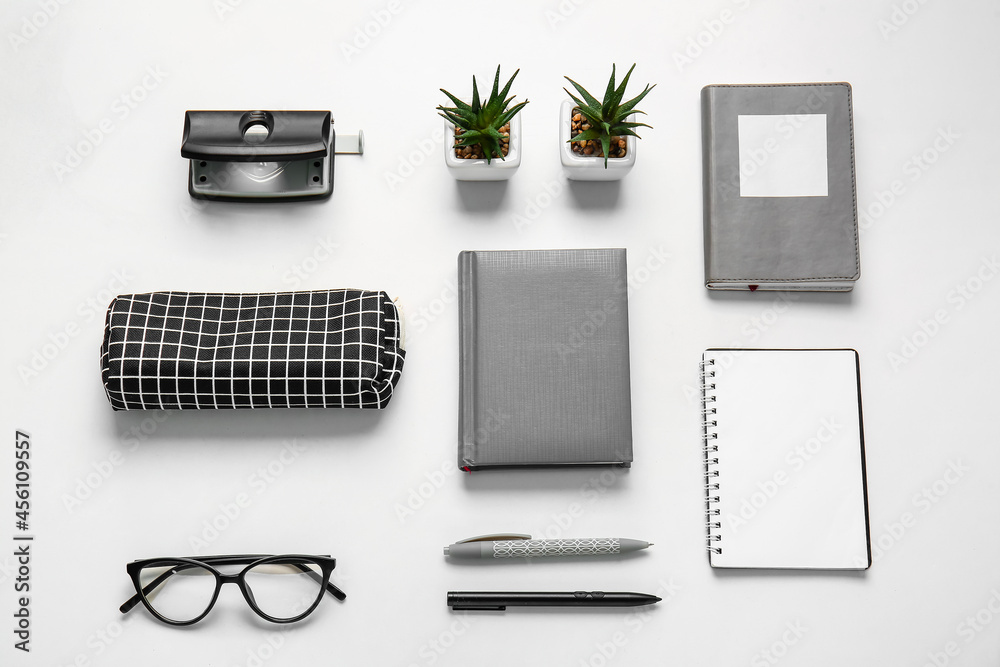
column 779, row 187
column 543, row 359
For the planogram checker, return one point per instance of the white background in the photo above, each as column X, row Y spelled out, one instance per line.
column 925, row 89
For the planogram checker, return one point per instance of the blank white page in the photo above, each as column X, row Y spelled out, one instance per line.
column 790, row 459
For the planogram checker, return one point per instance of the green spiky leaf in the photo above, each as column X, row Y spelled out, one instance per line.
column 628, row 106
column 587, row 135
column 481, row 122
column 607, row 118
column 476, row 108
column 606, row 147
column 591, row 100
column 608, row 107
column 457, row 102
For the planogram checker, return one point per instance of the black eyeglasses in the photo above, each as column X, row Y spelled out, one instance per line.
column 281, row 589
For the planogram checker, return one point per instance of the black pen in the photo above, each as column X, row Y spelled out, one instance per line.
column 500, row 600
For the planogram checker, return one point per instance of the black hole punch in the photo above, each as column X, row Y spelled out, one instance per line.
column 203, row 178
column 259, row 155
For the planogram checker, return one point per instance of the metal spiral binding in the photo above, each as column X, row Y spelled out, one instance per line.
column 710, row 447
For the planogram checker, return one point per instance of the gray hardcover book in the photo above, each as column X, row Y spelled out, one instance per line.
column 543, row 360
column 779, row 186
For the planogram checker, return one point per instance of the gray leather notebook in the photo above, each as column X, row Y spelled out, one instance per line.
column 543, row 360
column 780, row 205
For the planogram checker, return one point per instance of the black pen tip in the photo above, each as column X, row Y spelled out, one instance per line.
column 656, row 599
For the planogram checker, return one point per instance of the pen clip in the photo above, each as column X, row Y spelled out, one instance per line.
column 494, row 537
column 478, row 607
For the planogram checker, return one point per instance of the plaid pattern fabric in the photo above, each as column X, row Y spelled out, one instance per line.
column 196, row 351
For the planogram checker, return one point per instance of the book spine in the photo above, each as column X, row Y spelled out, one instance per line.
column 467, row 354
column 710, row 448
column 708, row 175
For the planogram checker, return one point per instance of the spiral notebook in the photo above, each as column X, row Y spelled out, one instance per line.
column 784, row 459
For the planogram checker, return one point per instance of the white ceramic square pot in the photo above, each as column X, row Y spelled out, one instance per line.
column 578, row 167
column 480, row 170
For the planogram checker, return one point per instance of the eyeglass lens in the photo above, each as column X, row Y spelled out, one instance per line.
column 180, row 592
column 285, row 589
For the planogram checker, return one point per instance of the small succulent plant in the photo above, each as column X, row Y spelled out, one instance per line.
column 481, row 123
column 607, row 118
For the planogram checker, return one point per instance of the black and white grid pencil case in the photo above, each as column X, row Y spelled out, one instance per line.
column 196, row 351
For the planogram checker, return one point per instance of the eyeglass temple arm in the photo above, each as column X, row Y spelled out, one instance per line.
column 222, row 560
column 331, row 589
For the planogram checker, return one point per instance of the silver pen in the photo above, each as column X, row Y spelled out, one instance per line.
column 516, row 545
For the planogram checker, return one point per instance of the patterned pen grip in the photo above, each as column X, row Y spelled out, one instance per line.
column 588, row 546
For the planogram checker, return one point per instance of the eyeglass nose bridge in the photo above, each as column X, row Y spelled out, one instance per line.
column 241, row 583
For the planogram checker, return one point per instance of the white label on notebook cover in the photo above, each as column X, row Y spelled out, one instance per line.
column 783, row 155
